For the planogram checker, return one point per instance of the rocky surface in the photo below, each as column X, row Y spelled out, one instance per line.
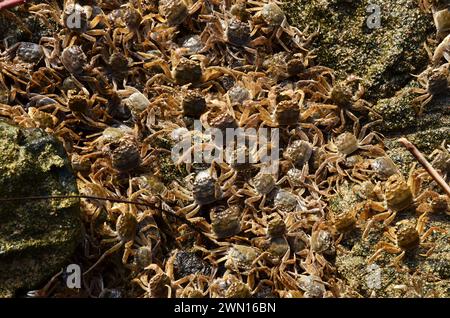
column 385, row 57
column 36, row 237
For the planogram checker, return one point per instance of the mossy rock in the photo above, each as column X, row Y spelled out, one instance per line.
column 36, row 237
column 384, row 56
column 400, row 118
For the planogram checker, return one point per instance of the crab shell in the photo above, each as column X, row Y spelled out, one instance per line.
column 206, row 188
column 442, row 21
column 407, row 237
column 159, row 285
column 346, row 143
column 241, row 257
column 278, row 246
column 384, row 166
column 299, row 152
column 126, row 226
column 272, row 14
column 194, row 104
column 238, row 289
column 276, row 227
column 345, row 221
column 125, row 157
column 187, row 71
column 74, row 59
column 398, row 193
column 225, row 222
column 175, row 11
column 238, row 33
column 287, row 113
column 285, row 201
column 264, row 183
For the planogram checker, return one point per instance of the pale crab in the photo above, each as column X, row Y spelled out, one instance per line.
column 399, row 195
column 193, row 70
column 242, row 260
column 125, row 232
column 258, row 188
column 233, row 34
column 346, row 144
column 272, row 21
column 434, row 82
column 405, row 236
column 441, row 19
column 441, row 159
column 158, row 285
column 230, row 286
column 207, row 188
column 175, row 12
column 341, row 94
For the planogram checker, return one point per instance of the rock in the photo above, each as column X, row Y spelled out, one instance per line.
column 399, row 117
column 36, row 237
column 384, row 56
column 187, row 263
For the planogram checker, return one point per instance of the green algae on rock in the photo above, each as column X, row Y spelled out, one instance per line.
column 427, row 131
column 384, row 56
column 36, row 237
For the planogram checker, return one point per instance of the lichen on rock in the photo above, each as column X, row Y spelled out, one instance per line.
column 36, row 237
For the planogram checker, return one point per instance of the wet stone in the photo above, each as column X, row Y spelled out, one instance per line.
column 37, row 237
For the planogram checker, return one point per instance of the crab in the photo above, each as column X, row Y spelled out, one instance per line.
column 242, row 260
column 197, row 286
column 234, row 34
column 441, row 21
column 434, row 82
column 285, row 65
column 399, row 195
column 176, row 12
column 441, row 159
column 193, row 71
column 342, row 98
column 230, row 286
column 67, row 17
column 258, row 189
column 298, row 153
column 286, row 113
column 159, row 285
column 272, row 21
column 207, row 189
column 125, row 232
column 346, row 144
column 346, row 221
column 100, row 145
column 405, row 237
column 225, row 222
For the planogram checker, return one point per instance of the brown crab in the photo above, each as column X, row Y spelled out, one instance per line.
column 434, row 82
column 405, row 237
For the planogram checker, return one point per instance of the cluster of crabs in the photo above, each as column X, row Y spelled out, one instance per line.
column 120, row 82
